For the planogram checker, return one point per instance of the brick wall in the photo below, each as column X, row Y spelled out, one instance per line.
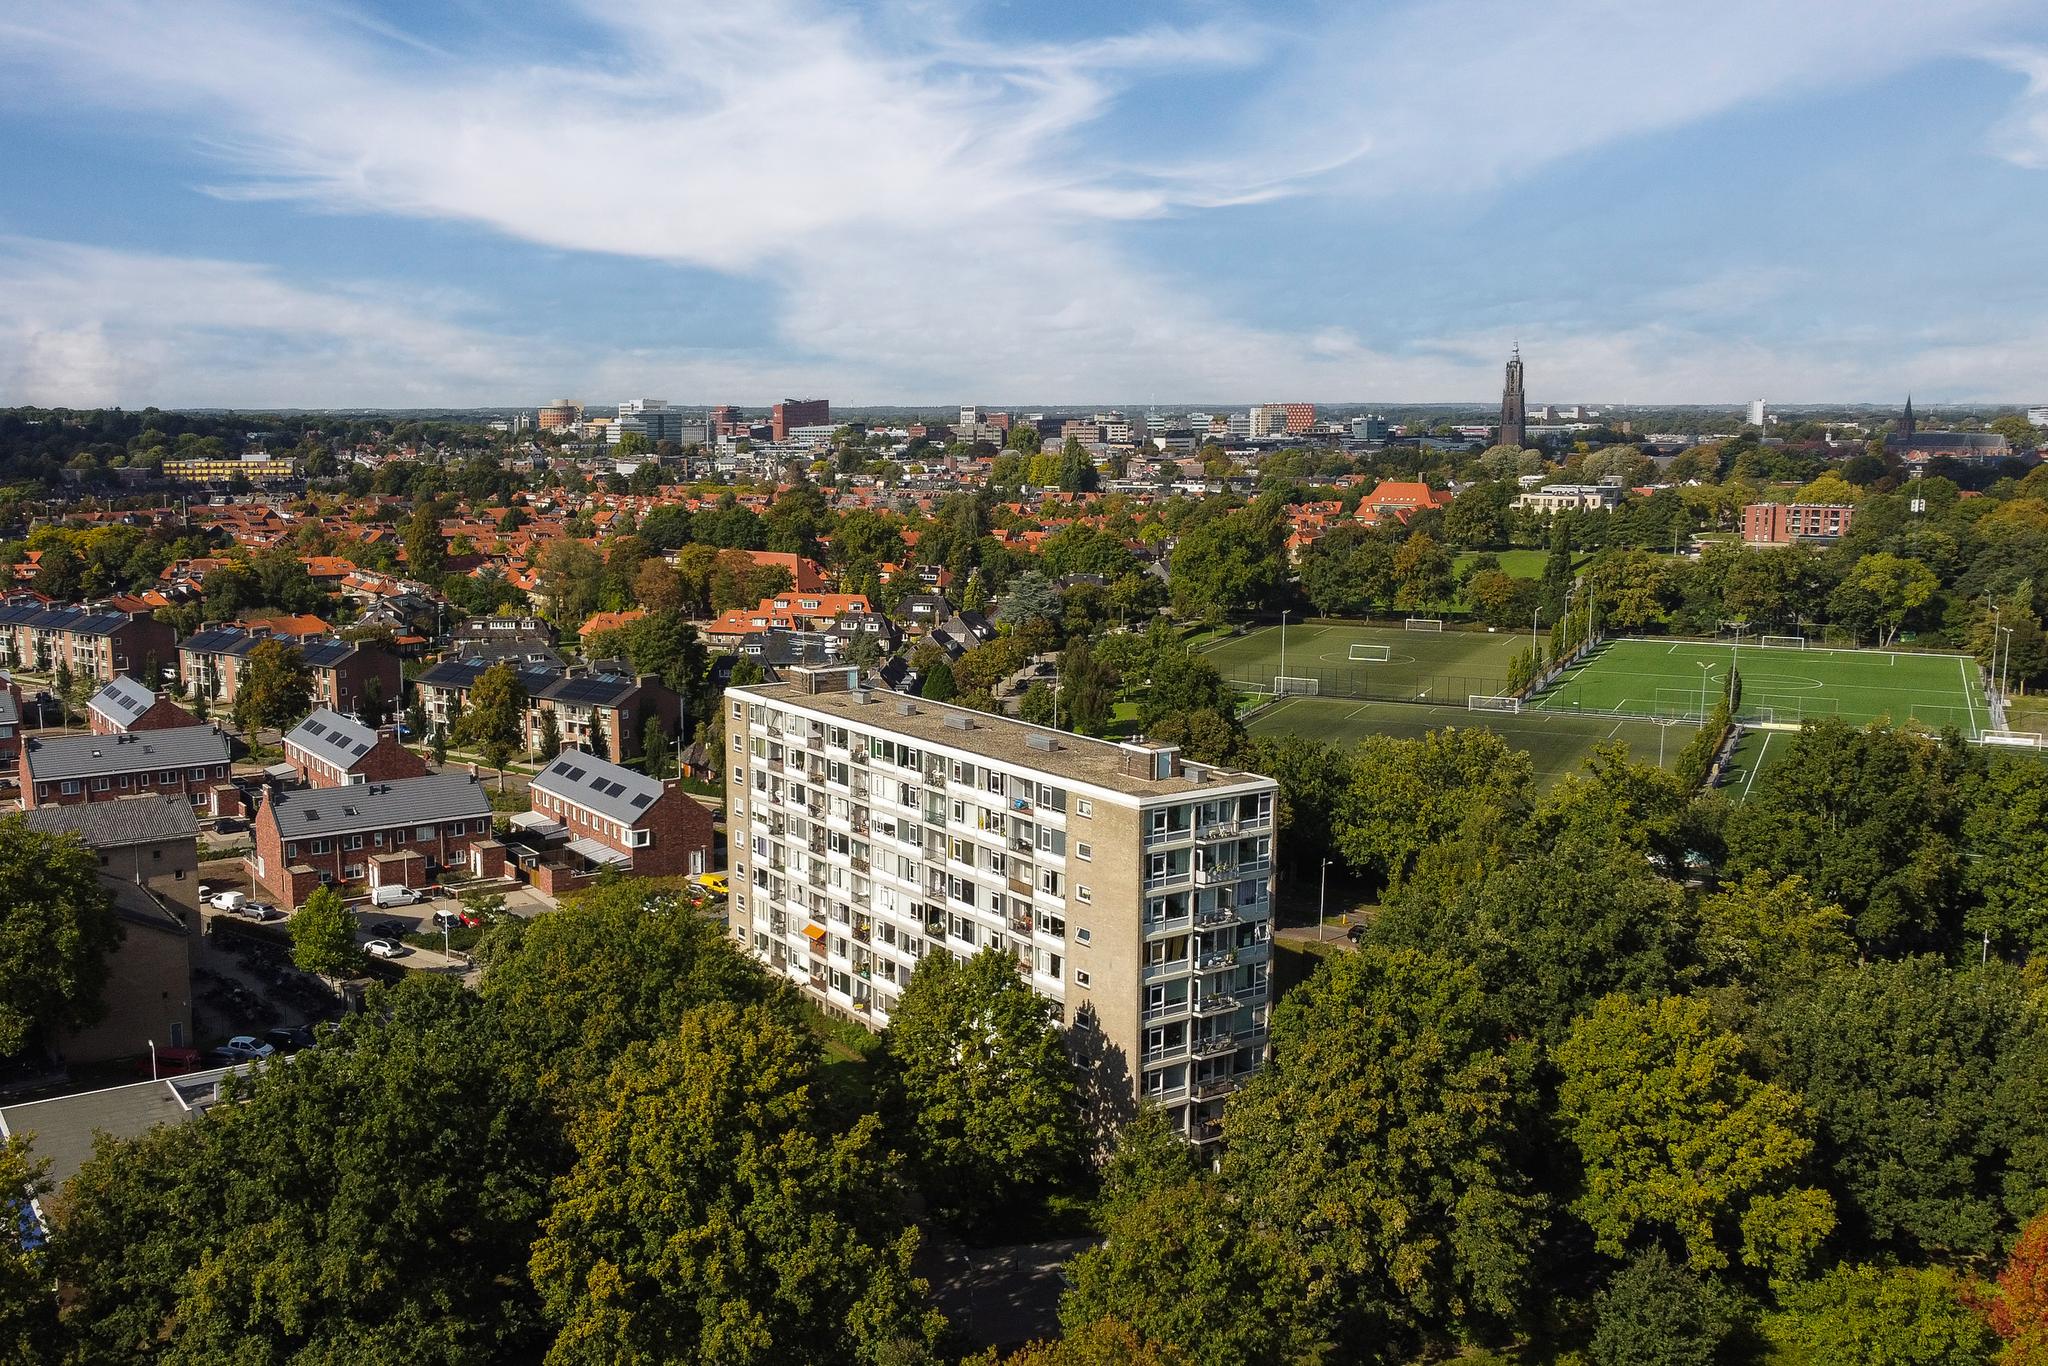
column 386, row 761
column 107, row 787
column 274, row 858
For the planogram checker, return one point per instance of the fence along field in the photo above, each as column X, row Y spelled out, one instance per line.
column 1382, row 663
column 1782, row 683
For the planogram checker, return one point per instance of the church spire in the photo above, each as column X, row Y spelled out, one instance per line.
column 1906, row 422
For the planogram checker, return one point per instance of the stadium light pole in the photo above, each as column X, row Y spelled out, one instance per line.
column 1283, row 642
column 1322, row 901
column 1708, row 666
column 2005, row 670
column 1996, row 610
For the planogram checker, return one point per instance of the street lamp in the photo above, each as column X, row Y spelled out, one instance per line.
column 2005, row 670
column 152, row 1061
column 1322, row 900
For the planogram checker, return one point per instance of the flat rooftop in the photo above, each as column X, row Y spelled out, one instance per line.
column 1079, row 758
column 60, row 1130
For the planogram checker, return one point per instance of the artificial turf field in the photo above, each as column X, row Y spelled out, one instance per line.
column 1421, row 665
column 1787, row 686
column 1558, row 743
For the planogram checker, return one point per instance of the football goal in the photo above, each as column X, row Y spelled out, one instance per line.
column 1484, row 702
column 1782, row 642
column 1371, row 654
column 1296, row 687
column 2025, row 739
column 1424, row 623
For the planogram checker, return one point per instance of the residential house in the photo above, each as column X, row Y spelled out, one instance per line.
column 398, row 833
column 65, row 770
column 125, row 705
column 210, row 663
column 329, row 749
column 590, row 814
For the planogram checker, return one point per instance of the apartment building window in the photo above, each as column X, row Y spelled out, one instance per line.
column 1084, row 852
column 1052, row 924
column 1081, row 891
column 1080, row 977
column 353, row 842
column 1049, row 882
column 1081, row 936
column 99, row 785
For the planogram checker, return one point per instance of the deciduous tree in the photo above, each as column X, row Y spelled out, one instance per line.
column 323, row 933
column 1879, row 1316
column 57, row 930
column 276, row 687
column 982, row 1089
column 1678, row 1138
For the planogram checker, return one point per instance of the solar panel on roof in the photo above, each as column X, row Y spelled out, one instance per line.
column 316, row 727
column 574, row 775
column 361, row 750
column 641, row 799
column 613, row 789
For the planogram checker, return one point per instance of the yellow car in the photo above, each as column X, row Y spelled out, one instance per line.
column 712, row 882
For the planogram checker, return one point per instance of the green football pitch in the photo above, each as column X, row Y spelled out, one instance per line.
column 1398, row 665
column 1787, row 686
column 1558, row 743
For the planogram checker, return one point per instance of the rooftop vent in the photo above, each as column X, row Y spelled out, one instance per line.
column 1042, row 742
column 959, row 722
column 906, row 708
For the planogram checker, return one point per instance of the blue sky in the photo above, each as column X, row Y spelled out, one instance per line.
column 493, row 202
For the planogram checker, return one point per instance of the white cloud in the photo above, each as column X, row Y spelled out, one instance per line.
column 2022, row 136
column 930, row 208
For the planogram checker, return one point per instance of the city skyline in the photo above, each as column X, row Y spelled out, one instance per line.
column 227, row 205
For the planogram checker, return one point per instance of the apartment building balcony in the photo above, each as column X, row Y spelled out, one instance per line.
column 1205, row 1130
column 1164, row 1053
column 1169, row 1010
column 1213, row 1046
column 1259, row 951
column 860, row 865
column 1215, row 874
column 1219, row 830
column 1170, row 924
column 1221, row 1003
column 1214, row 1086
column 1021, row 886
column 1221, row 916
column 1172, row 968
column 1020, row 924
column 1213, row 962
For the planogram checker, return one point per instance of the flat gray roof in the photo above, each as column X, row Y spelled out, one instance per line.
column 60, row 1130
column 1078, row 758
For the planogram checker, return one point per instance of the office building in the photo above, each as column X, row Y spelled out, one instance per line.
column 1758, row 413
column 1514, row 420
column 653, row 419
column 560, row 415
column 1132, row 887
column 2037, row 417
column 255, row 467
column 1280, row 419
column 798, row 412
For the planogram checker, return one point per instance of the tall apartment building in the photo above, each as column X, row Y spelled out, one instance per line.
column 798, row 412
column 560, row 415
column 1133, row 888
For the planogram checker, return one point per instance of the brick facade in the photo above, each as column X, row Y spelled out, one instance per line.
column 290, row 867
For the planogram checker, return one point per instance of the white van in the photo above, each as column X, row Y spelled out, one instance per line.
column 394, row 894
column 228, row 901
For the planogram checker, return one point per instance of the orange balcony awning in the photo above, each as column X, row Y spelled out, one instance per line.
column 814, row 931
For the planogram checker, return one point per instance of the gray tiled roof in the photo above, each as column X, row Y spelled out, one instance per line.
column 329, row 735
column 122, row 700
column 615, row 793
column 91, row 756
column 125, row 820
column 379, row 806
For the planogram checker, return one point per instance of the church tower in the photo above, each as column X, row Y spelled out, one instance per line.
column 1906, row 422
column 1514, row 425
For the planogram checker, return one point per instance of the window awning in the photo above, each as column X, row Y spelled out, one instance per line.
column 538, row 825
column 598, row 853
column 814, row 931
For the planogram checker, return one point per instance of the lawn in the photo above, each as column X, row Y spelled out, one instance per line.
column 1557, row 743
column 1670, row 678
column 1516, row 564
column 1420, row 665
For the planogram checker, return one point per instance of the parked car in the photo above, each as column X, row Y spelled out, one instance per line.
column 385, row 948
column 227, row 901
column 290, row 1038
column 261, row 912
column 229, row 825
column 395, row 896
column 448, row 920
column 714, row 883
column 244, row 1048
column 1355, row 933
column 168, row 1062
column 391, row 929
column 206, row 891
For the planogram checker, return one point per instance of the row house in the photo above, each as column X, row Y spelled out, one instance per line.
column 61, row 770
column 125, row 705
column 590, row 814
column 612, row 707
column 328, row 749
column 210, row 664
column 401, row 833
column 89, row 642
